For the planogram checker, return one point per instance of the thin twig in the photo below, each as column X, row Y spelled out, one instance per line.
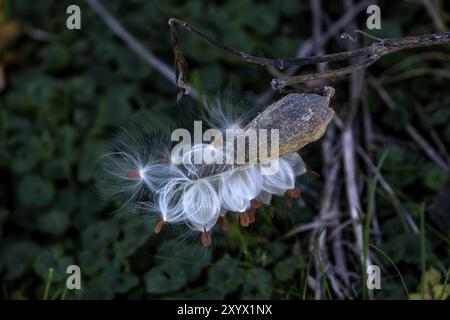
column 319, row 261
column 433, row 134
column 368, row 140
column 388, row 189
column 371, row 54
column 334, row 29
column 348, row 146
column 351, row 187
column 412, row 132
column 317, row 224
column 383, row 183
column 279, row 63
column 132, row 43
column 438, row 22
column 307, row 48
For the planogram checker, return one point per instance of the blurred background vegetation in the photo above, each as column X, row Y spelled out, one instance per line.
column 64, row 93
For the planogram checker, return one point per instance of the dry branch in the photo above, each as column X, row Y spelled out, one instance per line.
column 370, row 55
column 132, row 43
column 410, row 129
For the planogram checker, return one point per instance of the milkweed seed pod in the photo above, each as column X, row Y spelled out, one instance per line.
column 202, row 193
column 301, row 118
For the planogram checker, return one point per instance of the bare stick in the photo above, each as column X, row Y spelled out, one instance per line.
column 412, row 132
column 279, row 84
column 319, row 259
column 351, row 188
column 383, row 183
column 371, row 53
column 349, row 160
column 132, row 43
column 433, row 134
column 322, row 261
column 333, row 29
column 316, row 224
column 368, row 140
column 307, row 48
column 388, row 189
column 439, row 23
column 280, row 63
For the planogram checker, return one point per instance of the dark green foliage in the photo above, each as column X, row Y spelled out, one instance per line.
column 67, row 95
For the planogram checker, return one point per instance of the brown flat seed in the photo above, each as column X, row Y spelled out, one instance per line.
column 244, row 219
column 255, row 203
column 287, row 202
column 133, row 175
column 217, row 142
column 312, row 172
column 294, row 193
column 206, row 238
column 223, row 223
column 159, row 226
column 251, row 216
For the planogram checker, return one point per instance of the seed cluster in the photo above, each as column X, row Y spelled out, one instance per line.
column 183, row 194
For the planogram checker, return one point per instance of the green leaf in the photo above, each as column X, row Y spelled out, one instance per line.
column 261, row 19
column 101, row 234
column 91, row 262
column 35, row 192
column 225, row 276
column 82, row 88
column 257, row 284
column 439, row 209
column 127, row 282
column 191, row 259
column 117, row 109
column 54, row 222
column 289, row 7
column 88, row 166
column 41, row 89
column 433, row 177
column 18, row 257
column 52, row 258
column 23, row 161
column 276, row 250
column 54, row 56
column 285, row 269
column 4, row 213
column 438, row 117
column 212, row 77
column 167, row 277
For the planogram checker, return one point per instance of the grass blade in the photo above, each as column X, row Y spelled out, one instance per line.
column 394, row 265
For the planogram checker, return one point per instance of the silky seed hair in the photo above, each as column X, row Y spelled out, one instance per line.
column 140, row 170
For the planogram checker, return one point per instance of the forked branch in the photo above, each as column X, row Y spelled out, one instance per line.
column 369, row 55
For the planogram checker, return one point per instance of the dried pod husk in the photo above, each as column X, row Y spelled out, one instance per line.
column 301, row 118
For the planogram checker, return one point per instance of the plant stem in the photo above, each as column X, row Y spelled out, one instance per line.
column 423, row 251
column 48, row 283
